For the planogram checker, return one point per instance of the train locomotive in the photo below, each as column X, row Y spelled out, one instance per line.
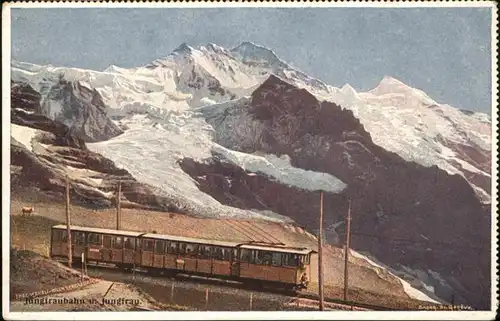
column 269, row 264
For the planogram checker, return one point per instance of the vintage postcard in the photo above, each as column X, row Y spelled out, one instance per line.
column 249, row 160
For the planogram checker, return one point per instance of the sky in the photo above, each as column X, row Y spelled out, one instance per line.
column 445, row 52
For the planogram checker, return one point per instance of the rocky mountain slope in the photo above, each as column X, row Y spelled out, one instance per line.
column 322, row 137
column 241, row 133
column 46, row 150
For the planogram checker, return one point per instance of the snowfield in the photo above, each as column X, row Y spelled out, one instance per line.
column 406, row 121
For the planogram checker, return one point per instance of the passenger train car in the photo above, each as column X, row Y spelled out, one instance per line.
column 270, row 264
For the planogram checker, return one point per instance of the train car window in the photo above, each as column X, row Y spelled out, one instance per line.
column 276, row 259
column 257, row 259
column 138, row 243
column 217, row 253
column 64, row 236
column 285, row 258
column 227, row 254
column 106, row 240
column 263, row 257
column 159, row 247
column 246, row 255
column 191, row 249
column 290, row 259
column 267, row 257
column 95, row 239
column 182, row 248
column 117, row 242
column 221, row 253
column 129, row 243
column 78, row 238
column 57, row 235
column 204, row 252
column 253, row 257
column 172, row 248
column 148, row 245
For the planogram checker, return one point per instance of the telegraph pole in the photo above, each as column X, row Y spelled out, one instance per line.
column 320, row 254
column 118, row 210
column 348, row 236
column 68, row 223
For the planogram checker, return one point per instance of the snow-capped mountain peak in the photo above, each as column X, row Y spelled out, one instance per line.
column 249, row 52
column 214, row 48
column 349, row 91
column 184, row 48
column 387, row 84
column 392, row 86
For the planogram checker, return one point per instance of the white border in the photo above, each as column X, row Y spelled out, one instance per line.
column 194, row 4
column 410, row 315
column 494, row 157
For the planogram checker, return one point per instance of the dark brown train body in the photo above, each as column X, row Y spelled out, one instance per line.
column 270, row 264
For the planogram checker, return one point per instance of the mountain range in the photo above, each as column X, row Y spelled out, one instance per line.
column 218, row 132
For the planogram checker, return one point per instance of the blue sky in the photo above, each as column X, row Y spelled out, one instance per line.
column 444, row 51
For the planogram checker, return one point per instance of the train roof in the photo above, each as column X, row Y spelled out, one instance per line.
column 277, row 249
column 98, row 230
column 190, row 240
column 148, row 235
column 186, row 239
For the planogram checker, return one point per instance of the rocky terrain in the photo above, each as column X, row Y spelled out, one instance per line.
column 38, row 283
column 30, row 272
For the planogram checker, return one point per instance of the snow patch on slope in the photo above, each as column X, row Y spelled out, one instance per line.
column 281, row 170
column 83, row 174
column 23, row 135
column 411, row 291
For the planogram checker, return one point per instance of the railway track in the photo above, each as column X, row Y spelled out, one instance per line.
column 345, row 303
column 302, row 300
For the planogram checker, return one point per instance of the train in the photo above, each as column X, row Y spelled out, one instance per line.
column 253, row 263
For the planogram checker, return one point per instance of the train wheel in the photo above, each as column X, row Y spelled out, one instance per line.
column 290, row 288
column 248, row 283
column 256, row 285
column 154, row 272
column 124, row 267
column 169, row 273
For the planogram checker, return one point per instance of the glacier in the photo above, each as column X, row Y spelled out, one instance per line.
column 152, row 152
